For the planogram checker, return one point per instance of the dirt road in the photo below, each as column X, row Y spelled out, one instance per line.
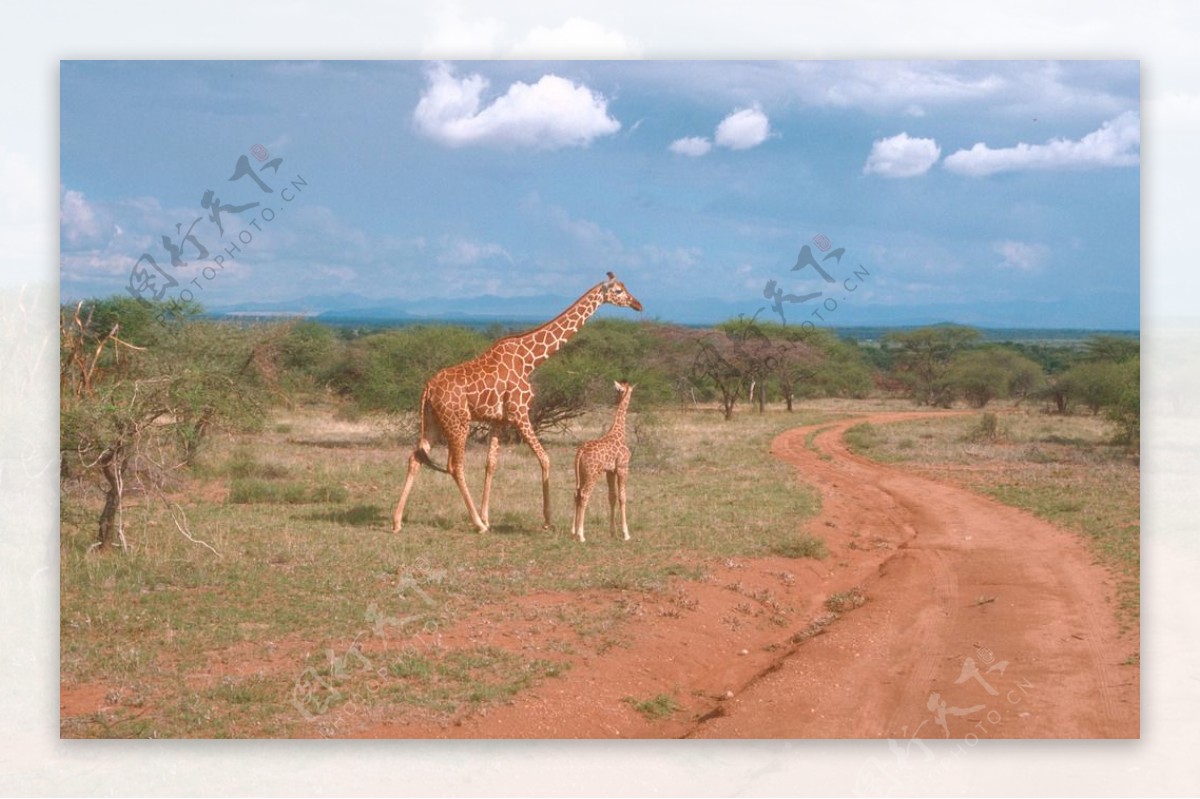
column 981, row 621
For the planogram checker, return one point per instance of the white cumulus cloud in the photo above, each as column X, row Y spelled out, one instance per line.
column 550, row 114
column 691, row 145
column 743, row 129
column 1116, row 143
column 902, row 156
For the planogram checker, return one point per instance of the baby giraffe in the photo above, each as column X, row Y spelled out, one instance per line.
column 608, row 454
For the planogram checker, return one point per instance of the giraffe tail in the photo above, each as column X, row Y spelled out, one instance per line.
column 421, row 453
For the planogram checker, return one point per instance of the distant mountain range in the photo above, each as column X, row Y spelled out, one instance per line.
column 344, row 308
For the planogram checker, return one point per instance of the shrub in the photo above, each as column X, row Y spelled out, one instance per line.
column 982, row 375
column 986, row 429
column 1125, row 409
column 863, row 437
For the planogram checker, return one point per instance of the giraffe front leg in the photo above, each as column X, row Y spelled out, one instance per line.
column 493, row 457
column 526, row 429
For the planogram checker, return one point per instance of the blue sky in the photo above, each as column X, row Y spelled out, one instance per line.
column 997, row 193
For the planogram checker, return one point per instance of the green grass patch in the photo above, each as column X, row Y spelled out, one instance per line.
column 802, row 545
column 867, row 439
column 844, row 601
column 811, row 445
column 449, row 680
column 252, row 491
column 243, row 464
column 656, row 708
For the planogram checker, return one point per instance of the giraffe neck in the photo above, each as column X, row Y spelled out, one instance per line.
column 540, row 343
column 617, row 429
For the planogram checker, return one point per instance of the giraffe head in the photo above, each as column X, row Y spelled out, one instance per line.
column 615, row 293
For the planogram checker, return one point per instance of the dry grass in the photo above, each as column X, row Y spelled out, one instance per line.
column 300, row 515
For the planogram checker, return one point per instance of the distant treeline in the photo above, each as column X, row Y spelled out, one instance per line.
column 140, row 395
column 383, row 368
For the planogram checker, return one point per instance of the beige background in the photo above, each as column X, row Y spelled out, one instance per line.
column 34, row 36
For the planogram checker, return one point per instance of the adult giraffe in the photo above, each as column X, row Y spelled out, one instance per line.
column 495, row 388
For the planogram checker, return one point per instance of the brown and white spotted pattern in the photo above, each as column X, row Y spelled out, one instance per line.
column 607, row 455
column 495, row 388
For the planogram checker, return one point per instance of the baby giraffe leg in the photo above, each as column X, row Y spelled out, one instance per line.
column 612, row 503
column 587, row 483
column 581, row 501
column 622, row 474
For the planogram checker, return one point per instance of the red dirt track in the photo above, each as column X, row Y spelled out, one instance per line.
column 981, row 621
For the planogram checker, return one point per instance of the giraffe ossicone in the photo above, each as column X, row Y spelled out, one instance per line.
column 495, row 388
column 607, row 455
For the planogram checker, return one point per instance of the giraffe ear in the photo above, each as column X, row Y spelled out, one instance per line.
column 618, row 386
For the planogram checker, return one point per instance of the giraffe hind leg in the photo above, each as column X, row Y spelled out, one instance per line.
column 455, row 465
column 414, row 466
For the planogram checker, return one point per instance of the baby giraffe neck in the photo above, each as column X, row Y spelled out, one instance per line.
column 617, row 428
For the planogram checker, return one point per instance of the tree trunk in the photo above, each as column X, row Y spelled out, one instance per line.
column 788, row 399
column 113, row 467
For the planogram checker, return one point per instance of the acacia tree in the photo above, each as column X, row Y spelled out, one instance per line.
column 795, row 367
column 716, row 364
column 924, row 358
column 982, row 375
column 134, row 413
column 735, row 359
